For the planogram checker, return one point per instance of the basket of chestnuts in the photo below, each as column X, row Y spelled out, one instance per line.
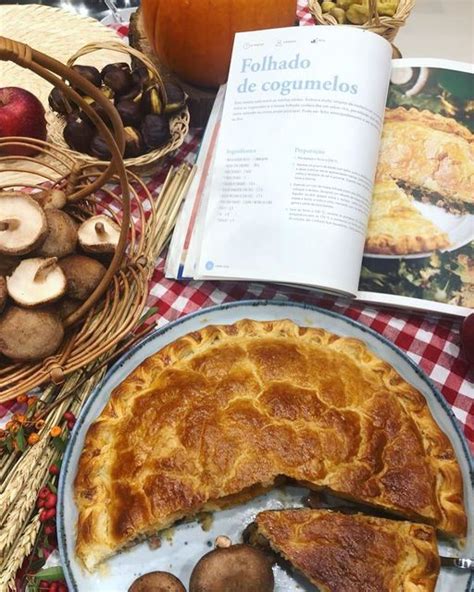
column 384, row 17
column 154, row 113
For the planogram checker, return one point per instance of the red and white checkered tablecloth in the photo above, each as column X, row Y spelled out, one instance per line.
column 432, row 344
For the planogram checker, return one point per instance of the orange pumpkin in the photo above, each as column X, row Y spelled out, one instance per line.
column 194, row 38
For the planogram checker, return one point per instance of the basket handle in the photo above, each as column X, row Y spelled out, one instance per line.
column 373, row 13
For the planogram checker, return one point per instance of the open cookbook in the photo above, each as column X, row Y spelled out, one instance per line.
column 328, row 165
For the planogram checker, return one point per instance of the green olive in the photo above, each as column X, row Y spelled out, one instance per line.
column 327, row 6
column 357, row 14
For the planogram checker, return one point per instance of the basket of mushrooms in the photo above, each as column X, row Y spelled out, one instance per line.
column 73, row 262
column 384, row 17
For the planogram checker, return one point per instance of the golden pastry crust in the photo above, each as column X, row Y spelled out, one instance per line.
column 396, row 227
column 230, row 408
column 429, row 152
column 339, row 552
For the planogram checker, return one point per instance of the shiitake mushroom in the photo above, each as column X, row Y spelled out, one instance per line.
column 155, row 131
column 78, row 133
column 151, row 100
column 27, row 335
column 83, row 275
column 3, row 292
column 157, row 581
column 239, row 568
column 141, row 75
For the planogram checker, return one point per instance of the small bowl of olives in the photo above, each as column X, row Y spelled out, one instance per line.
column 153, row 112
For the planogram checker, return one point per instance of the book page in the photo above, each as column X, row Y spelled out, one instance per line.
column 295, row 162
column 420, row 241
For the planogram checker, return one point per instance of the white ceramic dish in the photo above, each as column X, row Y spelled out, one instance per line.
column 181, row 551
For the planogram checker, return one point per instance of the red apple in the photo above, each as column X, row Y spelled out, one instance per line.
column 467, row 338
column 21, row 114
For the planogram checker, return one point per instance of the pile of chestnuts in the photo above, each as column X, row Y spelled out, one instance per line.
column 144, row 108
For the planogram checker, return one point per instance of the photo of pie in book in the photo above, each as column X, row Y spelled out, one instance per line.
column 350, row 552
column 429, row 159
column 219, row 415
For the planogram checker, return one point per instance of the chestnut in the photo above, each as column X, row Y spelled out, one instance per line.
column 133, row 143
column 141, row 76
column 58, row 102
column 117, row 78
column 130, row 112
column 134, row 93
column 111, row 67
column 175, row 98
column 155, row 130
column 78, row 133
column 151, row 101
column 99, row 148
column 101, row 112
column 90, row 73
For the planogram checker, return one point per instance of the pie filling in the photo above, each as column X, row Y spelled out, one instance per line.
column 457, row 208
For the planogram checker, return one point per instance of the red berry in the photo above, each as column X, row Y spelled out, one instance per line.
column 40, row 503
column 69, row 416
column 50, row 501
column 70, row 424
column 62, row 587
column 53, row 587
column 51, row 513
column 467, row 338
column 54, row 470
column 49, row 529
column 43, row 492
column 44, row 585
column 43, row 515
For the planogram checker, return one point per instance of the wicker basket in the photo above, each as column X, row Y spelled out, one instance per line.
column 115, row 306
column 179, row 123
column 386, row 26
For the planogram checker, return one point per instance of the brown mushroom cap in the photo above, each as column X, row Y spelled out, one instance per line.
column 233, row 569
column 99, row 234
column 62, row 235
column 83, row 275
column 157, row 581
column 3, row 292
column 23, row 224
column 50, row 198
column 36, row 281
column 28, row 335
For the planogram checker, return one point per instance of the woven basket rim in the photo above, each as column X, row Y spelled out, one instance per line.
column 383, row 23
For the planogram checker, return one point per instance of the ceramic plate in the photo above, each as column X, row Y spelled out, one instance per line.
column 183, row 546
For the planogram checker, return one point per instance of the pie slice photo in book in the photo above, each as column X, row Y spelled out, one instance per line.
column 300, row 185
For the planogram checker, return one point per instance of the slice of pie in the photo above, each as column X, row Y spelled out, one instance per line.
column 431, row 154
column 397, row 227
column 222, row 413
column 341, row 553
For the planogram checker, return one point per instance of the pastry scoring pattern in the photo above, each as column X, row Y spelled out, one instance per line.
column 220, row 414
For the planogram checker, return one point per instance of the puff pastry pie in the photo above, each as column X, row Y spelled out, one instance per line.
column 218, row 415
column 356, row 553
column 396, row 227
column 431, row 154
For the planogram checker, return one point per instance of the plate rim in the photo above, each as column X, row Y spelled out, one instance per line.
column 160, row 331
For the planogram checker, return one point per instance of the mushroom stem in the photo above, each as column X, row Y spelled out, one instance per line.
column 45, row 268
column 100, row 228
column 9, row 224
